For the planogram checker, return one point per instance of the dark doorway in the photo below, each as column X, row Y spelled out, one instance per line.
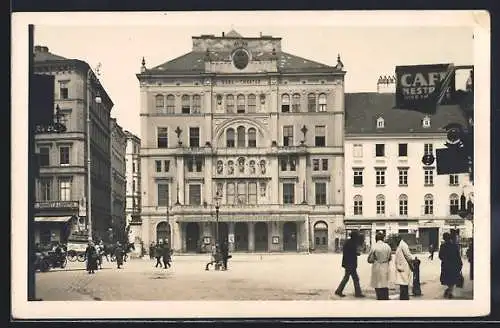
column 223, row 232
column 192, row 237
column 290, row 237
column 163, row 232
column 241, row 237
column 320, row 237
column 261, row 237
column 427, row 237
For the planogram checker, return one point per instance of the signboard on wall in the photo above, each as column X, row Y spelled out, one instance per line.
column 418, row 87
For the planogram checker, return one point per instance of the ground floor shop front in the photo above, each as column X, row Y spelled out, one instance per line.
column 249, row 233
column 419, row 233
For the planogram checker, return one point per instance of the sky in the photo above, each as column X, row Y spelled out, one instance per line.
column 367, row 52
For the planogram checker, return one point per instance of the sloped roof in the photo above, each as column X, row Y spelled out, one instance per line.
column 363, row 109
column 194, row 62
column 42, row 56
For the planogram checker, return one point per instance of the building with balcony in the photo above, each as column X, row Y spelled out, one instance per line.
column 240, row 132
column 133, row 188
column 118, row 181
column 61, row 189
column 388, row 188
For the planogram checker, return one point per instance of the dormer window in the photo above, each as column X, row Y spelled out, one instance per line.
column 380, row 123
column 426, row 122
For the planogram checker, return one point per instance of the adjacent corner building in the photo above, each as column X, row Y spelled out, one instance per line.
column 239, row 131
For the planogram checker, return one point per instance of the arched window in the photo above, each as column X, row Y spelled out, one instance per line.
column 403, row 205
column 454, row 204
column 196, row 104
column 230, row 104
column 240, row 131
column 160, row 103
column 170, row 104
column 241, row 104
column 230, row 138
column 186, row 104
column 322, row 102
column 252, row 138
column 380, row 123
column 285, row 103
column 428, row 204
column 252, row 103
column 358, row 205
column 311, row 102
column 380, row 204
column 296, row 103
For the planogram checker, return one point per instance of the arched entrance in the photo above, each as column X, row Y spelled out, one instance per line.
column 261, row 237
column 290, row 237
column 163, row 232
column 320, row 237
column 192, row 237
column 223, row 232
column 241, row 236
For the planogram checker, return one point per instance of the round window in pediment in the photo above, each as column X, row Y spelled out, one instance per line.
column 240, row 59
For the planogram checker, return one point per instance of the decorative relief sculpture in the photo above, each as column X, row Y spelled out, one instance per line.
column 241, row 164
column 220, row 167
column 252, row 167
column 262, row 167
column 230, row 167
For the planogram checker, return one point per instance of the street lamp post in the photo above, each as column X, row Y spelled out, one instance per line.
column 89, row 161
column 217, row 220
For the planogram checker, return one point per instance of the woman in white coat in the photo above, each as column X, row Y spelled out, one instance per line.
column 403, row 264
column 379, row 257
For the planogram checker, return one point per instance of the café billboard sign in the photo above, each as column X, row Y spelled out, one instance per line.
column 420, row 87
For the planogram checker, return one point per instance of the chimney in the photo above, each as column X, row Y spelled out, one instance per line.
column 41, row 49
column 222, row 34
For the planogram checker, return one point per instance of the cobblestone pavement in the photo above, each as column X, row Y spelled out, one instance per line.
column 250, row 277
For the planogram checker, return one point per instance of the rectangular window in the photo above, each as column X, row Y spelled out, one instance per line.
column 65, row 189
column 63, row 90
column 64, row 155
column 380, row 177
column 162, row 138
column 194, row 194
column 403, row 177
column 324, row 164
column 166, row 165
column 186, row 104
column 428, row 177
column 454, row 206
column 380, row 150
column 453, row 179
column 288, row 193
column 403, row 207
column 288, row 135
column 358, row 177
column 358, row 206
column 158, row 166
column 293, row 164
column 230, row 104
column 170, row 105
column 320, row 138
column 252, row 193
column 162, row 194
column 296, row 103
column 43, row 156
column 429, row 207
column 198, row 164
column 380, row 206
column 196, row 104
column 428, row 149
column 194, row 137
column 252, row 103
column 242, row 193
column 315, row 162
column 133, row 167
column 403, row 150
column 311, row 102
column 45, row 190
column 240, row 108
column 230, row 193
column 320, row 189
column 357, row 151
column 283, row 164
column 159, row 103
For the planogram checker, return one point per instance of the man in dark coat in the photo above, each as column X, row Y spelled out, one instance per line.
column 166, row 253
column 119, row 255
column 158, row 253
column 224, row 254
column 152, row 248
column 91, row 256
column 470, row 258
column 451, row 265
column 350, row 264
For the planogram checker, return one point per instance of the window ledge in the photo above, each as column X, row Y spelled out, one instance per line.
column 380, row 185
column 357, row 186
column 428, row 185
column 403, row 185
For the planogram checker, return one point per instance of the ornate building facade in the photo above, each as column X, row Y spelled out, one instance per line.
column 239, row 132
column 61, row 190
column 133, row 181
column 118, row 183
column 388, row 187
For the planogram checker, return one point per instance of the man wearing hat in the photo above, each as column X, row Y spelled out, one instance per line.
column 350, row 255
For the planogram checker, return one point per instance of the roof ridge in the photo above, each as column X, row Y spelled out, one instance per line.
column 303, row 58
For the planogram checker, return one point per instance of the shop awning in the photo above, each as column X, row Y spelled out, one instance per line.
column 52, row 218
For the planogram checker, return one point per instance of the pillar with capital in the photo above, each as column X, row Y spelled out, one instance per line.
column 251, row 236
